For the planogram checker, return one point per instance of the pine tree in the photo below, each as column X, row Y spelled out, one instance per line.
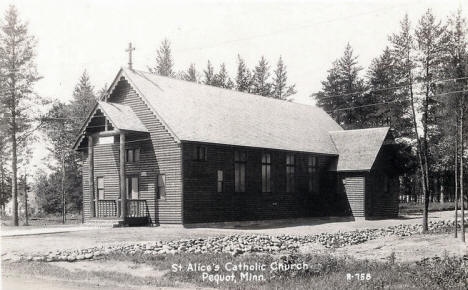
column 164, row 63
column 191, row 75
column 209, row 74
column 261, row 74
column 402, row 50
column 84, row 99
column 281, row 89
column 17, row 77
column 222, row 79
column 382, row 82
column 243, row 77
column 344, row 89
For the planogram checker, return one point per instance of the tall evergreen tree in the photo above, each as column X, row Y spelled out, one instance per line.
column 261, row 74
column 382, row 82
column 17, row 77
column 191, row 74
column 164, row 63
column 431, row 38
column 84, row 100
column 243, row 77
column 281, row 89
column 222, row 79
column 209, row 74
column 403, row 50
column 345, row 89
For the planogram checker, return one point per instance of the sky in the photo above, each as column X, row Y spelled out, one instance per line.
column 79, row 35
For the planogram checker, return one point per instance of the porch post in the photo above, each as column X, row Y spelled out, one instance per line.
column 123, row 195
column 93, row 201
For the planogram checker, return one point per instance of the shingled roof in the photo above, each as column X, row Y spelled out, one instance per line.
column 122, row 117
column 358, row 149
column 195, row 112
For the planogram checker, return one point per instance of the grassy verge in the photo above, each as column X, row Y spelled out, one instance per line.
column 412, row 207
column 322, row 272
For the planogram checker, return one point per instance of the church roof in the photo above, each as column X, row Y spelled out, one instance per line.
column 195, row 112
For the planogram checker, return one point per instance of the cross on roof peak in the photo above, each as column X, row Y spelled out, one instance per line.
column 130, row 49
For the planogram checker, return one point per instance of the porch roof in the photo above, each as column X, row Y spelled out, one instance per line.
column 122, row 117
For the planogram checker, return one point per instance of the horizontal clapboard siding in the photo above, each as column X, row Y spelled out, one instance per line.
column 162, row 156
column 382, row 203
column 202, row 202
column 86, row 192
column 355, row 192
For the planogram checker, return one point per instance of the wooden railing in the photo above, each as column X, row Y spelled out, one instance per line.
column 137, row 208
column 107, row 208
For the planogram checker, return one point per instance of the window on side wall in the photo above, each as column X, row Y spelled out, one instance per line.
column 312, row 171
column 220, row 181
column 161, row 186
column 266, row 172
column 240, row 160
column 199, row 153
column 290, row 172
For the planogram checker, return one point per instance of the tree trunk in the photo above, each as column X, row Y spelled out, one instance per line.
column 64, row 212
column 14, row 177
column 421, row 167
column 26, row 220
column 462, row 195
column 456, row 181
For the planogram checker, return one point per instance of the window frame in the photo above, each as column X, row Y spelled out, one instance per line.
column 129, row 181
column 135, row 156
column 312, row 170
column 290, row 172
column 266, row 172
column 220, row 181
column 200, row 153
column 159, row 196
column 240, row 164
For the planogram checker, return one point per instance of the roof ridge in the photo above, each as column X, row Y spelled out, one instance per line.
column 231, row 90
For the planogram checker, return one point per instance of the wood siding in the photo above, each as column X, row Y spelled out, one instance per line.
column 159, row 154
column 202, row 202
column 354, row 187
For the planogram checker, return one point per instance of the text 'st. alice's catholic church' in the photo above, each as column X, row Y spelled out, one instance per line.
column 164, row 151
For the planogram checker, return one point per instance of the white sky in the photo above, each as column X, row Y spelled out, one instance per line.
column 93, row 35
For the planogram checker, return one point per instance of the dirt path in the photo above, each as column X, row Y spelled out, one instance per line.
column 98, row 236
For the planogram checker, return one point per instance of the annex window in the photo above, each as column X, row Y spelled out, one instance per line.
column 100, row 187
column 199, row 153
column 290, row 173
column 132, row 155
column 133, row 190
column 220, row 182
column 266, row 172
column 240, row 159
column 312, row 169
column 161, row 186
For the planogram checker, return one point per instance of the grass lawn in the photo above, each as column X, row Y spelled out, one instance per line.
column 44, row 221
column 322, row 272
column 415, row 208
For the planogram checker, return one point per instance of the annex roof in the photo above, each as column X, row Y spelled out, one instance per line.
column 195, row 112
column 358, row 149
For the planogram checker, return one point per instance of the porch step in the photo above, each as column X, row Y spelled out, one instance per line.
column 111, row 223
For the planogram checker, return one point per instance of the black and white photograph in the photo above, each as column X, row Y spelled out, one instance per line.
column 233, row 144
